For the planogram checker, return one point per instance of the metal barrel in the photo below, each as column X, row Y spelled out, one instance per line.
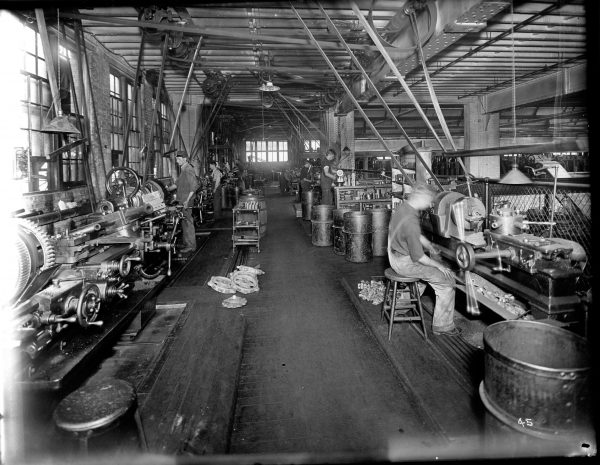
column 339, row 240
column 358, row 236
column 538, row 372
column 309, row 198
column 322, row 213
column 338, row 216
column 381, row 223
column 322, row 219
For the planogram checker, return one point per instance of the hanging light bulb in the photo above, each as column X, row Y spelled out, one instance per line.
column 60, row 123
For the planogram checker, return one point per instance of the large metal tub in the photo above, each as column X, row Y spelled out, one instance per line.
column 537, row 378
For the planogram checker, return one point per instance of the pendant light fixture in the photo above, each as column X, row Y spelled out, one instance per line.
column 268, row 85
column 60, row 123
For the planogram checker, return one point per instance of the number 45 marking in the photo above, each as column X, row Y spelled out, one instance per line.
column 526, row 421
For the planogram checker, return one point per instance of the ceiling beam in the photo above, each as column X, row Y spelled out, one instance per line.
column 211, row 32
column 564, row 82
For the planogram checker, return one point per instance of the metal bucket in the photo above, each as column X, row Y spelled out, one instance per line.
column 537, row 378
column 358, row 236
column 309, row 198
column 381, row 222
column 322, row 219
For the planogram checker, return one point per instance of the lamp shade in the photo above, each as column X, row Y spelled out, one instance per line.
column 268, row 87
column 515, row 176
column 60, row 124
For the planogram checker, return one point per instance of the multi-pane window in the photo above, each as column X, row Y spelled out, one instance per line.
column 266, row 151
column 312, row 145
column 33, row 163
column 116, row 116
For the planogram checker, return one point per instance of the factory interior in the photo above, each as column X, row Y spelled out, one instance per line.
column 216, row 211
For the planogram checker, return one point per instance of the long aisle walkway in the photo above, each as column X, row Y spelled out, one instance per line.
column 312, row 377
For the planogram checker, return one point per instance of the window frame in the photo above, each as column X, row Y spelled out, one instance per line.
column 263, row 151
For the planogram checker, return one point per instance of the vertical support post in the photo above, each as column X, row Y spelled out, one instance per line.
column 91, row 167
column 349, row 92
column 136, row 85
column 150, row 143
column 99, row 159
column 82, row 128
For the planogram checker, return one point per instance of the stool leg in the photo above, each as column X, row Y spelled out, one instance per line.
column 83, row 442
column 140, row 428
column 385, row 297
column 392, row 311
column 420, row 308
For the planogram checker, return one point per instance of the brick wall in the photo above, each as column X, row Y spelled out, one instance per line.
column 48, row 201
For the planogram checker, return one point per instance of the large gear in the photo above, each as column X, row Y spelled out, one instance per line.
column 22, row 270
column 43, row 241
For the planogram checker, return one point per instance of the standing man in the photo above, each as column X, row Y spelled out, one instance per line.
column 345, row 159
column 328, row 177
column 187, row 184
column 305, row 177
column 406, row 256
column 216, row 179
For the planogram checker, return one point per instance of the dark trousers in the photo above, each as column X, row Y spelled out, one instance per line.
column 217, row 203
column 188, row 231
column 326, row 195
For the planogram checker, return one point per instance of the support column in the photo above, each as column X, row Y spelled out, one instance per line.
column 481, row 131
column 329, row 125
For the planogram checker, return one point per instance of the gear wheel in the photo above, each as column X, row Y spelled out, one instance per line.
column 43, row 240
column 22, row 262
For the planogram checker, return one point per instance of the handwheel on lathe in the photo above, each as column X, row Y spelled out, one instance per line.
column 123, row 181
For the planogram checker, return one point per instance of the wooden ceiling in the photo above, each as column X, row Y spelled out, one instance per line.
column 474, row 48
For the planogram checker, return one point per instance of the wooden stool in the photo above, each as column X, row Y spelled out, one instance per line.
column 401, row 306
column 92, row 409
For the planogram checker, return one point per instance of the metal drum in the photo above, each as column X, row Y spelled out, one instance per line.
column 322, row 219
column 358, row 232
column 309, row 198
column 339, row 238
column 537, row 378
column 381, row 223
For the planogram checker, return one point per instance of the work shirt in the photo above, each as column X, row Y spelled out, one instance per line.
column 186, row 182
column 216, row 176
column 405, row 231
column 326, row 181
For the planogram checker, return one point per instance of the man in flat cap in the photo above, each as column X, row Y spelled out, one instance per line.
column 187, row 184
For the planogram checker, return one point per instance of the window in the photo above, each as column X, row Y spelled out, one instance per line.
column 312, row 145
column 116, row 118
column 266, row 151
column 32, row 162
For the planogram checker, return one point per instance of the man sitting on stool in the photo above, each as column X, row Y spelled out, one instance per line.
column 405, row 252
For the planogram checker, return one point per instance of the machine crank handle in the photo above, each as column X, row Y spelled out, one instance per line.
column 95, row 323
column 466, row 256
column 51, row 319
